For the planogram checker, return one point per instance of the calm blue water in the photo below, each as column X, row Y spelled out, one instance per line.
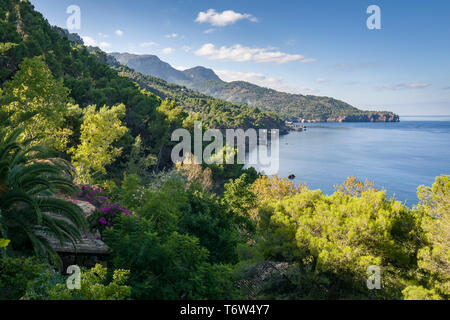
column 396, row 156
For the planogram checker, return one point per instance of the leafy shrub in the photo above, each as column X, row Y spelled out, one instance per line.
column 94, row 286
column 434, row 256
column 330, row 241
column 16, row 273
column 171, row 266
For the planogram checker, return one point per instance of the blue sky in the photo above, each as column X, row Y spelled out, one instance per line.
column 320, row 47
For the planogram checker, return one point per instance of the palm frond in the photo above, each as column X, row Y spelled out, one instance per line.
column 66, row 209
column 17, row 197
column 29, row 179
column 54, row 258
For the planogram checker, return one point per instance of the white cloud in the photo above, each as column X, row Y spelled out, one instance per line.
column 208, row 31
column 103, row 35
column 148, row 44
column 322, row 80
column 88, row 41
column 186, row 48
column 119, row 33
column 416, row 85
column 228, row 75
column 180, row 68
column 403, row 86
column 171, row 36
column 91, row 42
column 244, row 54
column 260, row 79
column 168, row 50
column 225, row 18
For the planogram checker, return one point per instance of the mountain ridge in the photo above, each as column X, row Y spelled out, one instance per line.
column 293, row 107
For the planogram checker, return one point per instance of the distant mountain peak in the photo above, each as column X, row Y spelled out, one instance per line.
column 201, row 73
column 151, row 65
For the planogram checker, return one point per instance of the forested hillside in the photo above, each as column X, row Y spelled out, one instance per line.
column 26, row 34
column 290, row 106
column 217, row 113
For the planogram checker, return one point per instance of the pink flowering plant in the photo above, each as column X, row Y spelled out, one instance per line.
column 105, row 211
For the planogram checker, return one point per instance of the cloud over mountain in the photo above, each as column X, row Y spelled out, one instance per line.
column 240, row 53
column 276, row 83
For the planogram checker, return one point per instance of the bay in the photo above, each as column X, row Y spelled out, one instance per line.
column 396, row 156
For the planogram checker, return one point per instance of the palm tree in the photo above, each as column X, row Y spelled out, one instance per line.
column 29, row 180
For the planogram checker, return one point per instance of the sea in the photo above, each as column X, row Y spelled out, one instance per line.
column 397, row 157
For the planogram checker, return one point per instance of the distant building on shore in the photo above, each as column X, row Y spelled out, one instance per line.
column 294, row 126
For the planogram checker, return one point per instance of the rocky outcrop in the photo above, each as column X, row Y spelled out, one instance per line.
column 74, row 37
column 360, row 117
column 369, row 117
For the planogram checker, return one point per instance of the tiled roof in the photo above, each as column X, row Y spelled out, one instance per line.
column 90, row 243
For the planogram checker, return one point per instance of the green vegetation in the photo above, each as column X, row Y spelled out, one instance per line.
column 92, row 286
column 324, row 244
column 100, row 129
column 85, row 80
column 16, row 274
column 188, row 231
column 433, row 258
column 39, row 103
